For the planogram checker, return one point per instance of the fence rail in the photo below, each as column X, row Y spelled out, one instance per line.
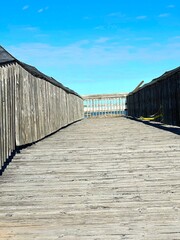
column 104, row 105
column 32, row 108
column 160, row 95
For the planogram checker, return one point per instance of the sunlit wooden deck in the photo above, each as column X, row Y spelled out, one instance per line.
column 109, row 178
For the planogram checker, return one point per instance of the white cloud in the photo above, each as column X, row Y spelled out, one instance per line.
column 30, row 29
column 143, row 39
column 162, row 15
column 25, row 7
column 86, row 18
column 112, row 14
column 141, row 17
column 78, row 54
column 116, row 14
column 171, row 6
column 100, row 27
column 102, row 40
column 177, row 37
column 75, row 65
column 40, row 10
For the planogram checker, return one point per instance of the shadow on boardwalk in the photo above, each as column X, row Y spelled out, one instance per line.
column 169, row 128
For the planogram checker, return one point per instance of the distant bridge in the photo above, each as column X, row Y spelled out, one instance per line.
column 104, row 105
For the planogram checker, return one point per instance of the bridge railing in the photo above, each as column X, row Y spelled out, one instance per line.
column 32, row 107
column 162, row 95
column 102, row 105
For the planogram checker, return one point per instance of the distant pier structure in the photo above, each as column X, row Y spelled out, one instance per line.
column 102, row 105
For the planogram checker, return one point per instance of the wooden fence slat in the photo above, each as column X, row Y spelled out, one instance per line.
column 104, row 105
column 162, row 93
column 31, row 108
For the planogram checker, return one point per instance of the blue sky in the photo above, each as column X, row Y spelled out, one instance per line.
column 102, row 46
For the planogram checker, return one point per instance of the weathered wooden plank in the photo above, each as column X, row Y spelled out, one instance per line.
column 55, row 117
column 109, row 178
column 104, row 105
column 1, row 123
column 163, row 93
column 30, row 109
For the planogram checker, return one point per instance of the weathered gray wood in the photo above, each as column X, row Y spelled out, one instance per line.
column 105, row 96
column 109, row 178
column 104, row 105
column 31, row 108
column 6, row 113
column 162, row 92
column 1, row 126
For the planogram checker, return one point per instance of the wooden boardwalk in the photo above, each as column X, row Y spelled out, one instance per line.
column 98, row 179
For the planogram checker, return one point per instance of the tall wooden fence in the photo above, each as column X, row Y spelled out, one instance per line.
column 32, row 108
column 160, row 95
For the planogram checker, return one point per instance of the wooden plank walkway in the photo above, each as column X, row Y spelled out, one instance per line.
column 110, row 178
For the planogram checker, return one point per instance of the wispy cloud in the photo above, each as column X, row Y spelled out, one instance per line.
column 143, row 39
column 171, row 6
column 163, row 15
column 116, row 14
column 42, row 9
column 25, row 7
column 102, row 40
column 78, row 53
column 100, row 27
column 176, row 37
column 78, row 66
column 141, row 17
column 82, row 42
column 29, row 28
column 87, row 18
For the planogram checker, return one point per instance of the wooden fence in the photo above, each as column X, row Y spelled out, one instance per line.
column 104, row 105
column 32, row 107
column 160, row 95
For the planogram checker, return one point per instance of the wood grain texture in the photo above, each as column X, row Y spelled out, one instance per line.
column 161, row 93
column 31, row 108
column 104, row 105
column 42, row 109
column 110, row 178
column 7, row 113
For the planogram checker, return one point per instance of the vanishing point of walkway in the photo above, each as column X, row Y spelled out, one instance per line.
column 98, row 179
